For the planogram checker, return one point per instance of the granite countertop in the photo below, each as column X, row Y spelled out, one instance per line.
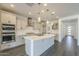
column 37, row 37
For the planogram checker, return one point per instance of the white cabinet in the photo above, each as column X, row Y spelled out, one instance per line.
column 8, row 18
column 20, row 29
column 21, row 23
column 8, row 45
column 24, row 24
column 20, row 40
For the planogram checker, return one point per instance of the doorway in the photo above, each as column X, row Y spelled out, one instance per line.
column 69, row 27
column 69, row 36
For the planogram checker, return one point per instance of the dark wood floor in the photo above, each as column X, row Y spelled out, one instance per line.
column 58, row 49
column 18, row 51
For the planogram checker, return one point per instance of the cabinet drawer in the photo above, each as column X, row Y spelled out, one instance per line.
column 5, row 46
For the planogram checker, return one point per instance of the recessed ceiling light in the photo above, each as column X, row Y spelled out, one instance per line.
column 53, row 12
column 39, row 19
column 29, row 13
column 57, row 17
column 45, row 4
column 42, row 11
column 11, row 5
column 47, row 22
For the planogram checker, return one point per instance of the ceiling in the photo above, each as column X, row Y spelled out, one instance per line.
column 60, row 9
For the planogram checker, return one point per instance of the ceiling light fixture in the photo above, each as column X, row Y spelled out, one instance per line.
column 29, row 13
column 45, row 4
column 57, row 17
column 11, row 5
column 47, row 22
column 42, row 11
column 53, row 12
column 39, row 19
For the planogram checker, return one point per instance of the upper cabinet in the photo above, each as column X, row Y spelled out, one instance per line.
column 24, row 23
column 21, row 23
column 8, row 18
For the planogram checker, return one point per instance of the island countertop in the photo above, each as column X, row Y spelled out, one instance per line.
column 36, row 37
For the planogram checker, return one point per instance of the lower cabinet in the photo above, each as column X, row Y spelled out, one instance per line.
column 7, row 45
column 19, row 41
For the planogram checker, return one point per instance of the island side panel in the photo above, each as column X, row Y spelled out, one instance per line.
column 32, row 48
column 40, row 46
column 28, row 46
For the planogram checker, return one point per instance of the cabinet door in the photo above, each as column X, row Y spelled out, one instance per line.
column 24, row 24
column 8, row 18
column 12, row 19
column 19, row 24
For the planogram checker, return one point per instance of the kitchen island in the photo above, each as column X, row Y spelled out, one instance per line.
column 36, row 45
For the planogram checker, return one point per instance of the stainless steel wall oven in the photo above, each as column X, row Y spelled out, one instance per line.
column 8, row 32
